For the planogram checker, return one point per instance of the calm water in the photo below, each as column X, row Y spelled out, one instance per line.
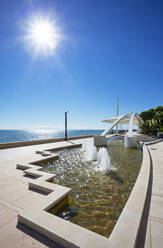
column 24, row 135
column 96, row 200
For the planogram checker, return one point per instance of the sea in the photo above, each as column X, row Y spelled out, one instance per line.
column 28, row 135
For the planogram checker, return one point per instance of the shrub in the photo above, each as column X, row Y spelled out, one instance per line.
column 152, row 121
column 161, row 129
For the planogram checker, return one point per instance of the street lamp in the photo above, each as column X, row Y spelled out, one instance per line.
column 66, row 125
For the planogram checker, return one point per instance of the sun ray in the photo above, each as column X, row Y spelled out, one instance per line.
column 41, row 35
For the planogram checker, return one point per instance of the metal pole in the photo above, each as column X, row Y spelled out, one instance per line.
column 117, row 114
column 66, row 125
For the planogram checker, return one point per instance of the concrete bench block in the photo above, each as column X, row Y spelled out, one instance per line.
column 100, row 140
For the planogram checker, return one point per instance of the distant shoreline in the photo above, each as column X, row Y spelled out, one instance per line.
column 26, row 135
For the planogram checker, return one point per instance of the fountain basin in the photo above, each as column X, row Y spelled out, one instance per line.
column 125, row 233
column 96, row 199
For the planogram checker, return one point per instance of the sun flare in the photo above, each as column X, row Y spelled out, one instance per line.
column 42, row 35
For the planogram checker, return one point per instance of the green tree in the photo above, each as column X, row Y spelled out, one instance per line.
column 148, row 114
column 152, row 120
column 159, row 109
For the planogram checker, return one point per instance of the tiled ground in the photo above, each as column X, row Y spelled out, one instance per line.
column 154, row 237
column 15, row 196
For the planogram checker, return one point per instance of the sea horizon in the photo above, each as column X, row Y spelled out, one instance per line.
column 13, row 135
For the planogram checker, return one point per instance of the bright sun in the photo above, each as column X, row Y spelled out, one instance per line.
column 42, row 35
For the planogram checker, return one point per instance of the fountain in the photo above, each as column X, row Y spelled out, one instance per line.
column 102, row 157
column 130, row 129
column 103, row 160
column 89, row 150
column 130, row 140
column 96, row 195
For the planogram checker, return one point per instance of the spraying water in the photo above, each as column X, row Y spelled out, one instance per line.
column 84, row 146
column 103, row 160
column 130, row 130
column 89, row 150
column 102, row 156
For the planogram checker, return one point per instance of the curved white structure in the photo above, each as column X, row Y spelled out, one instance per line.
column 132, row 118
column 130, row 139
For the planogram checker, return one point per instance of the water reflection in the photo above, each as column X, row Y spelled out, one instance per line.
column 97, row 199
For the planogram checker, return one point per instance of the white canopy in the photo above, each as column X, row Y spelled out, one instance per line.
column 131, row 119
column 125, row 120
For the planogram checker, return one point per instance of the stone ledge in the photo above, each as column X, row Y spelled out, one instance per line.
column 50, row 152
column 63, row 232
column 125, row 232
column 38, row 142
column 48, row 159
column 69, row 146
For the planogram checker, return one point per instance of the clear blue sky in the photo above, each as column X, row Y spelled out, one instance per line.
column 113, row 48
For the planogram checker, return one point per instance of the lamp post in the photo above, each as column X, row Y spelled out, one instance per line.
column 117, row 115
column 66, row 125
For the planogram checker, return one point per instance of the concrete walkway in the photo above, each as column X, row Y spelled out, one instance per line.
column 15, row 196
column 154, row 236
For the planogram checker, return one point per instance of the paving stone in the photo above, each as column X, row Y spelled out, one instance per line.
column 33, row 243
column 156, row 234
column 6, row 215
column 1, row 206
column 156, row 207
column 148, row 237
column 29, row 200
column 10, row 205
column 16, row 194
column 34, row 239
column 10, row 235
column 157, row 188
column 158, row 172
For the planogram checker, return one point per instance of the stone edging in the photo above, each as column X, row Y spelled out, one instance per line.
column 68, row 234
column 126, row 230
column 38, row 142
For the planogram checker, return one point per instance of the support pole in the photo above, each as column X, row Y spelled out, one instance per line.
column 117, row 114
column 66, row 125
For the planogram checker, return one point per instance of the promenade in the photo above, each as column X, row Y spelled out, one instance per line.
column 15, row 196
column 154, row 235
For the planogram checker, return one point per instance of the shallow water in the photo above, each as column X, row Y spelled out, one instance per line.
column 28, row 135
column 96, row 200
